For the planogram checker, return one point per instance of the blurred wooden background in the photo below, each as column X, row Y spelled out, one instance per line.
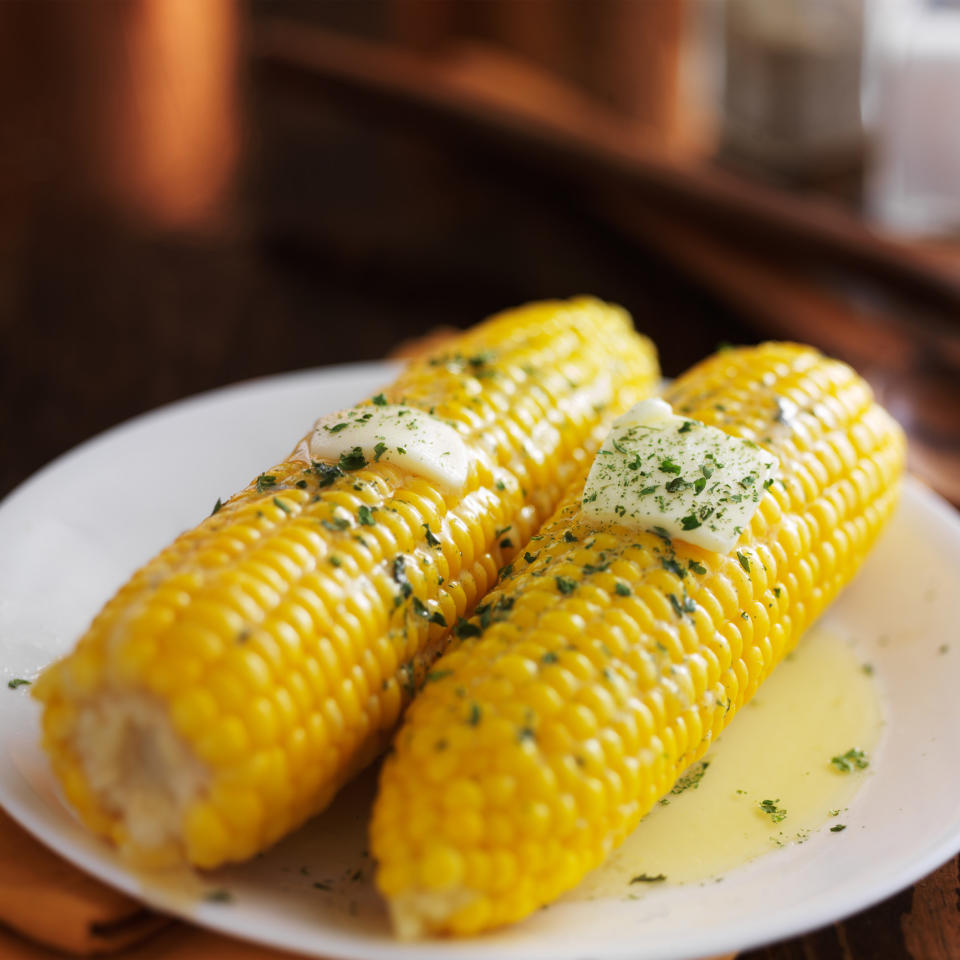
column 194, row 193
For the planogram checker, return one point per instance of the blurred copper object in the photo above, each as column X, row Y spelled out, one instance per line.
column 171, row 141
column 125, row 107
column 794, row 267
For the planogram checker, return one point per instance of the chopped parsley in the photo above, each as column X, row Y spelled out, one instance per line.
column 838, row 827
column 648, row 878
column 379, row 450
column 265, row 481
column 337, row 523
column 365, row 516
column 668, row 466
column 218, row 896
column 622, row 590
column 399, row 573
column 530, row 557
column 380, row 400
column 696, row 566
column 277, row 502
column 690, row 780
column 326, row 473
column 744, row 561
column 17, row 682
column 668, row 563
column 680, row 607
column 686, row 426
column 434, row 675
column 475, row 715
column 689, row 522
column 770, row 808
column 853, row 759
column 465, row 628
column 432, row 539
column 569, row 537
column 216, row 507
column 354, row 460
column 565, row 585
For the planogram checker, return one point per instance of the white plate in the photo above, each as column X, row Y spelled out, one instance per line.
column 76, row 530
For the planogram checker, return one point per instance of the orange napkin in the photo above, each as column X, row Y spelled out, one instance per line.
column 46, row 902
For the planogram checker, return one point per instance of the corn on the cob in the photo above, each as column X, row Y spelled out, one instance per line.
column 612, row 658
column 239, row 678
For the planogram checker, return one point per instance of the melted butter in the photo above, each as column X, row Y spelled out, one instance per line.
column 406, row 436
column 817, row 704
column 659, row 471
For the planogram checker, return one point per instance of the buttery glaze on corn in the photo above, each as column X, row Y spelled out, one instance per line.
column 239, row 678
column 610, row 659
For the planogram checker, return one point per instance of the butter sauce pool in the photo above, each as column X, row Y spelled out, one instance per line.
column 819, row 703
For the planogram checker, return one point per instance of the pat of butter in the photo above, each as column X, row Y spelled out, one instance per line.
column 405, row 436
column 659, row 471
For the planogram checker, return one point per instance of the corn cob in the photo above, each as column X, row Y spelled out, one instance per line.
column 612, row 658
column 239, row 678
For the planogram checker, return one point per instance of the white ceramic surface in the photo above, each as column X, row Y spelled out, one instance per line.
column 76, row 530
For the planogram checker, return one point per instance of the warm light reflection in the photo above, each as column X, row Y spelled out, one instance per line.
column 174, row 135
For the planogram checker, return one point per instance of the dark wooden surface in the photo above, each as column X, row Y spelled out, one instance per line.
column 329, row 237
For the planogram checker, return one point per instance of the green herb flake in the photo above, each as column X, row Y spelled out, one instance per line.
column 549, row 657
column 335, row 561
column 668, row 563
column 475, row 715
column 265, row 481
column 326, row 473
column 434, row 675
column 770, row 808
column 530, row 557
column 432, row 539
column 622, row 590
column 686, row 426
column 744, row 561
column 465, row 629
column 853, row 759
column 690, row 522
column 696, row 566
column 379, row 450
column 354, row 460
column 399, row 574
column 218, row 896
column 668, row 466
column 217, row 507
column 365, row 516
column 500, row 485
column 380, row 400
column 569, row 537
column 336, row 428
column 565, row 585
column 17, row 682
column 277, row 502
column 419, row 608
column 838, row 828
column 335, row 524
column 648, row 878
column 690, row 780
